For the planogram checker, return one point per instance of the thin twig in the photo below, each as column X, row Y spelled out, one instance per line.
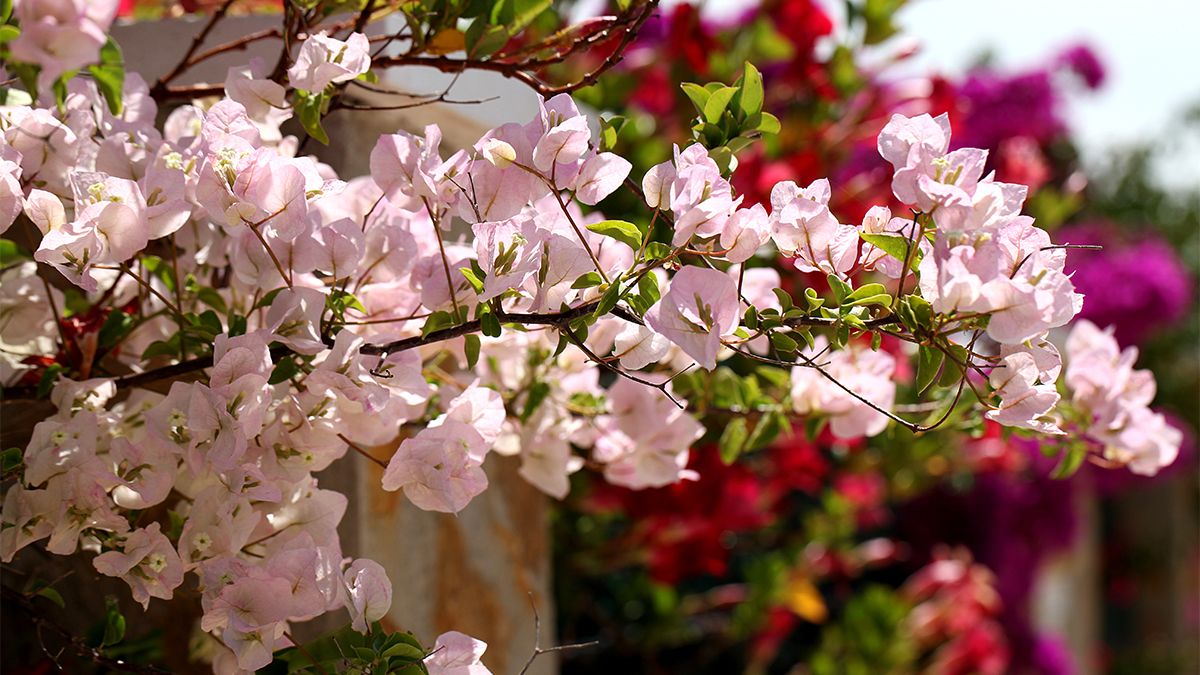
column 538, row 649
column 362, row 452
column 76, row 643
column 661, row 386
column 185, row 62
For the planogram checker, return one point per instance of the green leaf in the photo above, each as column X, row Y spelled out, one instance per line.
column 175, row 522
column 473, row 279
column 53, row 596
column 286, row 369
column 951, row 370
column 515, row 15
column 471, row 347
column 733, row 439
column 437, row 321
column 11, row 459
column 895, row 245
column 648, row 288
column 841, row 336
column 237, row 325
column 610, row 131
column 11, row 254
column 537, row 393
column 9, row 33
column 763, row 123
column 609, row 300
column 266, row 300
column 621, row 230
column 210, row 323
column 814, row 299
column 116, row 326
column 483, row 40
column 865, row 291
column 929, row 362
column 309, row 106
column 883, row 300
column 212, row 298
column 783, row 343
column 726, row 389
column 922, row 311
column 168, row 347
column 490, row 325
column 750, row 318
column 161, row 269
column 587, row 402
column 404, row 651
column 785, row 300
column 563, row 341
column 841, row 289
column 1072, row 458
column 656, row 250
column 109, row 75
column 813, row 426
column 773, row 377
column 717, row 102
column 587, row 280
column 49, row 379
column 751, row 100
column 723, row 156
column 699, row 95
column 869, row 294
column 114, row 622
column 878, row 17
column 28, row 74
column 767, row 430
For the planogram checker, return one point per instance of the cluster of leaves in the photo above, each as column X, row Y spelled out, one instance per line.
column 348, row 651
column 730, row 118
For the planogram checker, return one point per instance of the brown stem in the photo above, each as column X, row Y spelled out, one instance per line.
column 364, row 453
column 185, row 62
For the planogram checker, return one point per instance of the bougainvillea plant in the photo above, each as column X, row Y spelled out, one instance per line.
column 215, row 316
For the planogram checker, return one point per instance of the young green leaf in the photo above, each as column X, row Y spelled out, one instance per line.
column 621, row 230
column 114, row 623
column 109, row 75
column 699, row 95
column 929, row 362
column 472, row 278
column 437, row 321
column 608, row 300
column 733, row 438
column 471, row 347
column 751, row 100
column 763, row 123
column 309, row 107
column 895, row 246
column 716, row 104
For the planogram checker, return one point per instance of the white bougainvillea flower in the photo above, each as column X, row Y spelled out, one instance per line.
column 698, row 309
column 368, row 593
column 147, row 562
column 456, row 653
column 324, row 60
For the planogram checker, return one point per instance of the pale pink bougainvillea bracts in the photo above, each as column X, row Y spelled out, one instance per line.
column 316, row 316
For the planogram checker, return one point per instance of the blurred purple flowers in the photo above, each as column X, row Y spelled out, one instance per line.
column 1139, row 286
column 1026, row 104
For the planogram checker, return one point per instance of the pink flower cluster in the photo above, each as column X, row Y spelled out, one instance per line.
column 1115, row 398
